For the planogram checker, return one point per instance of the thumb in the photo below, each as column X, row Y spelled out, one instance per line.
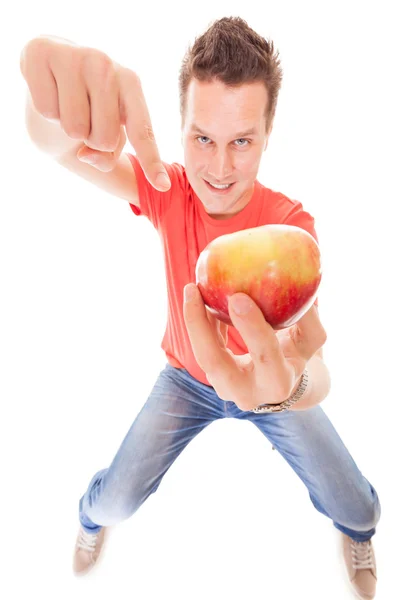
column 103, row 161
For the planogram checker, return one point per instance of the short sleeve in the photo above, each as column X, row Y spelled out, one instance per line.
column 153, row 203
column 296, row 215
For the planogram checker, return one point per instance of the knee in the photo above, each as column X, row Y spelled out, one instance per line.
column 372, row 516
column 368, row 512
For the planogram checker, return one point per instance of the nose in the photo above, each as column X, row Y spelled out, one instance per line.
column 220, row 167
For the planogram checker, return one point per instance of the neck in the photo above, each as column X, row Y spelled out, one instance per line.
column 243, row 201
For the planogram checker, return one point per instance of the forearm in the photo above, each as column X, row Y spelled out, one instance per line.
column 319, row 383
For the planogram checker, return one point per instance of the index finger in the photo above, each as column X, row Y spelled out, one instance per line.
column 139, row 130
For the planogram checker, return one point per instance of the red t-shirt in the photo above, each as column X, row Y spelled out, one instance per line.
column 185, row 229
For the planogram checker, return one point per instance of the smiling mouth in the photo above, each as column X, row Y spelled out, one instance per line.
column 219, row 187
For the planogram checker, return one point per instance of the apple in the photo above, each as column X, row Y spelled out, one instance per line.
column 278, row 266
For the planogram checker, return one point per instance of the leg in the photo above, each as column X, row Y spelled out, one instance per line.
column 178, row 408
column 308, row 441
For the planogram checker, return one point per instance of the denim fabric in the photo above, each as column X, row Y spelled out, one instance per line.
column 179, row 407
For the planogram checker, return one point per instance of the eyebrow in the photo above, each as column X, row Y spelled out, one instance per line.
column 251, row 131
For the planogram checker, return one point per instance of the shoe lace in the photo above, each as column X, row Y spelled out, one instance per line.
column 87, row 541
column 362, row 555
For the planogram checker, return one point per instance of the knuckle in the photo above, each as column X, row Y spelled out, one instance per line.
column 32, row 58
column 95, row 63
column 146, row 133
column 69, row 58
column 36, row 46
column 321, row 336
column 131, row 78
column 263, row 357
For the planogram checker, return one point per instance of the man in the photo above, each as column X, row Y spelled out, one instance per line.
column 79, row 106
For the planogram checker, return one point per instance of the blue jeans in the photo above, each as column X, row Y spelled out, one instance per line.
column 179, row 407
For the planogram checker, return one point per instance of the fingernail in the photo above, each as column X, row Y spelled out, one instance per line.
column 91, row 159
column 189, row 292
column 51, row 119
column 241, row 304
column 162, row 180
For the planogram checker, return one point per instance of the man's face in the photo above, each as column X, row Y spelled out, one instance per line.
column 223, row 138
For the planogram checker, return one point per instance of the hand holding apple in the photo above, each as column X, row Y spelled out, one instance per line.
column 271, row 370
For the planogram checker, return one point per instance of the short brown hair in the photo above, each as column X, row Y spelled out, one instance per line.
column 233, row 53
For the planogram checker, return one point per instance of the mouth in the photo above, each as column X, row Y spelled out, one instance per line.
column 219, row 189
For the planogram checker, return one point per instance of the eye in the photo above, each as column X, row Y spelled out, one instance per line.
column 205, row 143
column 202, row 137
column 243, row 140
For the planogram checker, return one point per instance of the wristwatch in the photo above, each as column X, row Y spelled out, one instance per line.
column 295, row 397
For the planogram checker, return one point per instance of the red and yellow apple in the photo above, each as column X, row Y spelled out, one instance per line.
column 278, row 266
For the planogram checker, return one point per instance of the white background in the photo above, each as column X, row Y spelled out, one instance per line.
column 83, row 311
